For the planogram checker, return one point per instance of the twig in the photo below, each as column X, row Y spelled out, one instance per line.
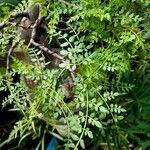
column 42, row 47
column 19, row 15
column 29, row 27
column 72, row 74
column 85, row 123
column 51, row 52
column 13, row 17
column 33, row 34
column 8, row 56
column 36, row 24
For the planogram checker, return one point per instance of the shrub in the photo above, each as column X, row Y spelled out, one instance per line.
column 84, row 72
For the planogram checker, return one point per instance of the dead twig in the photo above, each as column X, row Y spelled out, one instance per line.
column 34, row 30
column 8, row 56
column 33, row 34
column 13, row 17
column 18, row 15
column 42, row 47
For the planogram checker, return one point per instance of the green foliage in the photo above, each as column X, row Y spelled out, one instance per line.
column 106, row 44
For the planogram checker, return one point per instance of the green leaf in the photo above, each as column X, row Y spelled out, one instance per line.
column 81, row 113
column 14, row 2
column 89, row 120
column 23, row 137
column 33, row 60
column 71, row 39
column 145, row 144
column 2, row 88
column 120, row 117
column 64, row 44
column 39, row 52
column 116, row 94
column 103, row 109
column 90, row 134
column 74, row 67
column 147, row 35
column 82, row 144
column 89, row 46
column 64, row 52
column 74, row 137
column 81, row 45
column 62, row 65
column 98, row 124
column 65, row 35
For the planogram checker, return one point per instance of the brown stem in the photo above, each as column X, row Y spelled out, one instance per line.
column 42, row 47
column 19, row 15
column 8, row 57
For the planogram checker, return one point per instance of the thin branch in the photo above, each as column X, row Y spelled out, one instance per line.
column 29, row 27
column 36, row 24
column 72, row 74
column 33, row 34
column 51, row 52
column 85, row 122
column 8, row 57
column 19, row 15
column 42, row 47
column 13, row 17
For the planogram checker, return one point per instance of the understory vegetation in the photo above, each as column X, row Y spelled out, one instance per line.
column 77, row 70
